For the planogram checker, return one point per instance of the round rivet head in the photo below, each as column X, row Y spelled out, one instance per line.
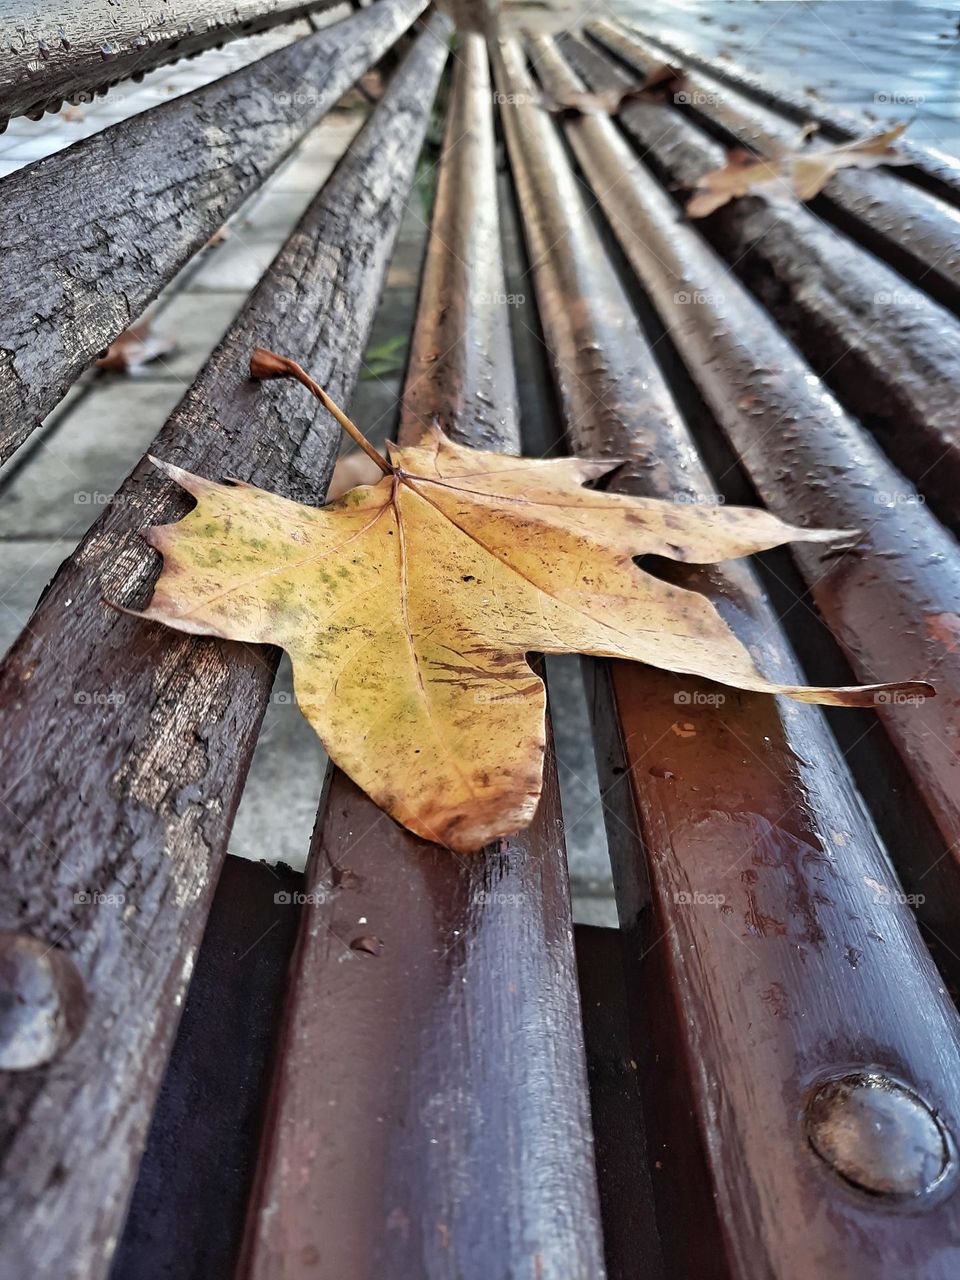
column 877, row 1134
column 42, row 1002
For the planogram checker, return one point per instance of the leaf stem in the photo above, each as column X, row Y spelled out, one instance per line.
column 267, row 364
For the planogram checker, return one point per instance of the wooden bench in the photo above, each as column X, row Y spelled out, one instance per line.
column 405, row 1063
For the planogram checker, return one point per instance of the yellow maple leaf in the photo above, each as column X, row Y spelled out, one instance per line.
column 408, row 608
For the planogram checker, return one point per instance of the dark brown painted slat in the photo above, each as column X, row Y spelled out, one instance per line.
column 893, row 599
column 65, row 294
column 887, row 351
column 187, row 1212
column 761, row 958
column 431, row 1114
column 624, row 1164
column 51, row 50
column 915, row 231
column 937, row 170
column 133, row 789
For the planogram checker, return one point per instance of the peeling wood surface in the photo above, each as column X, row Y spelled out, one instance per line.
column 765, row 955
column 889, row 351
column 51, row 50
column 103, row 256
column 124, row 746
column 431, row 1116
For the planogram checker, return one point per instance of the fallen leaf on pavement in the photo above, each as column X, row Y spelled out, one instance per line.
column 408, row 608
column 134, row 348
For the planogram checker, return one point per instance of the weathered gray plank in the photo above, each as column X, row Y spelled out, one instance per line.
column 125, row 209
column 56, row 49
column 123, row 745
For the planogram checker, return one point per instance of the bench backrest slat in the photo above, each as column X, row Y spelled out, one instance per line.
column 431, row 1114
column 757, row 969
column 52, row 50
column 131, row 790
column 100, row 259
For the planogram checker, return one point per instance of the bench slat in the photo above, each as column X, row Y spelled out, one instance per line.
column 132, row 788
column 888, row 351
column 189, row 1205
column 56, row 49
column 915, row 231
column 431, row 1114
column 892, row 600
column 745, row 1003
column 94, row 270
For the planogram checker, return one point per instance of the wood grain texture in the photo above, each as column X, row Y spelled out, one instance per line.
column 164, row 182
column 123, row 746
column 892, row 600
column 188, row 1208
column 765, row 953
column 430, row 1116
column 51, row 50
column 931, row 168
column 889, row 352
column 918, row 233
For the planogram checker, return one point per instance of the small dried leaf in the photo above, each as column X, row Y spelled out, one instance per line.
column 610, row 102
column 134, row 348
column 742, row 175
column 793, row 175
column 812, row 170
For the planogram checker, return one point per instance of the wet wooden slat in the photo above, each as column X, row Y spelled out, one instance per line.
column 624, row 1164
column 755, row 959
column 937, row 170
column 187, row 1212
column 915, row 231
column 893, row 599
column 67, row 293
column 51, row 50
column 430, row 1115
column 123, row 746
column 888, row 352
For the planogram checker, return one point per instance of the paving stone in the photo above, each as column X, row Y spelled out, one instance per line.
column 25, row 569
column 196, row 320
column 279, row 804
column 59, row 489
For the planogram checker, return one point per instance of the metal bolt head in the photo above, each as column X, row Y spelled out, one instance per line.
column 43, row 1002
column 878, row 1134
